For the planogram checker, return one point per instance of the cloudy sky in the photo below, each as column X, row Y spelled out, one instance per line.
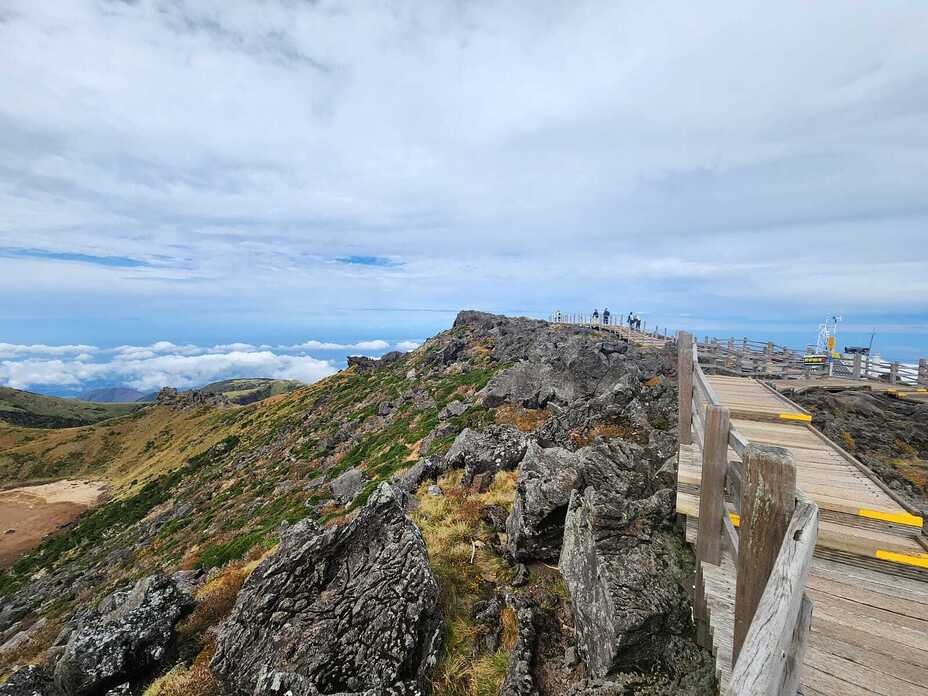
column 218, row 172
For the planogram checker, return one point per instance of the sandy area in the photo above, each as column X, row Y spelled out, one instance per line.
column 35, row 511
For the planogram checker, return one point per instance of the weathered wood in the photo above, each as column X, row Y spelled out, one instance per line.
column 733, row 484
column 923, row 372
column 856, row 368
column 768, row 660
column 792, row 670
column 767, row 504
column 685, row 387
column 894, row 373
column 711, row 507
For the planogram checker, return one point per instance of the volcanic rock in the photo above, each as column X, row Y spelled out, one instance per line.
column 352, row 609
column 129, row 634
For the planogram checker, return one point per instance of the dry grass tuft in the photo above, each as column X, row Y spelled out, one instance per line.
column 525, row 419
column 604, row 430
column 848, row 440
column 195, row 680
column 450, row 525
column 216, row 599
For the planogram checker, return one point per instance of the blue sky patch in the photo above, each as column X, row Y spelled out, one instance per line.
column 110, row 261
column 381, row 261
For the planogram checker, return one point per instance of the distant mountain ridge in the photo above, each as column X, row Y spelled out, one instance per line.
column 39, row 411
column 112, row 395
column 242, row 390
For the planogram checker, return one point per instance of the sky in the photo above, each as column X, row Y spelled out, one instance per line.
column 218, row 172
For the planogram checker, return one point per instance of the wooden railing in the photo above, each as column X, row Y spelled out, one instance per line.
column 772, row 547
column 747, row 357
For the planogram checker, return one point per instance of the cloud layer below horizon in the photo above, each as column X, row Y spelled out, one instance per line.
column 168, row 160
column 73, row 368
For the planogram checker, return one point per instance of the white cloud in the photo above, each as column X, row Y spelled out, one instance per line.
column 12, row 350
column 164, row 363
column 372, row 345
column 147, row 371
column 407, row 346
column 732, row 157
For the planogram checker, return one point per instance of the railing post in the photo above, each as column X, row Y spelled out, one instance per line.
column 685, row 387
column 768, row 499
column 711, row 509
column 923, row 372
column 856, row 372
column 894, row 373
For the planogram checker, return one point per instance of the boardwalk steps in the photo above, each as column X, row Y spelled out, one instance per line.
column 867, row 582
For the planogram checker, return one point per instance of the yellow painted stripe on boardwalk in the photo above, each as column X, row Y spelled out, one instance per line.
column 735, row 519
column 897, row 517
column 804, row 417
column 920, row 561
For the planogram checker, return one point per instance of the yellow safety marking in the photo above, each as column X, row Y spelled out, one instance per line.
column 920, row 561
column 897, row 517
column 795, row 417
column 735, row 519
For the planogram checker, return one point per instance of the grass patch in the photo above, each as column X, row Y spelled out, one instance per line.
column 450, row 524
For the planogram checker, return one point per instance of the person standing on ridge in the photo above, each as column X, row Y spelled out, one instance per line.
column 606, row 316
column 595, row 319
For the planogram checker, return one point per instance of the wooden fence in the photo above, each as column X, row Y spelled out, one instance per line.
column 772, row 547
column 744, row 356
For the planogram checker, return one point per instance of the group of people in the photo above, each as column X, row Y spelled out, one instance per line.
column 633, row 320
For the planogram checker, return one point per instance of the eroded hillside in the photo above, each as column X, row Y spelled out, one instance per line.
column 502, row 440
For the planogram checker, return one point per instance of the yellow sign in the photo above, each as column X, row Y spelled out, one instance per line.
column 831, row 343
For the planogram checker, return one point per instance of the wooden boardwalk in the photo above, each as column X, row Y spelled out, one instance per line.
column 868, row 580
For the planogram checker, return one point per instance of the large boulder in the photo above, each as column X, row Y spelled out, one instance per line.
column 546, row 479
column 128, row 635
column 347, row 486
column 29, row 681
column 352, row 609
column 626, row 571
column 479, row 453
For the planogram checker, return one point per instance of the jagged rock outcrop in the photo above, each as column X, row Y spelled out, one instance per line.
column 352, row 609
column 427, row 468
column 129, row 634
column 547, row 477
column 196, row 398
column 484, row 453
column 32, row 680
column 347, row 486
column 624, row 569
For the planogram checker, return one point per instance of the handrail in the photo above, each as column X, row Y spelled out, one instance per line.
column 772, row 612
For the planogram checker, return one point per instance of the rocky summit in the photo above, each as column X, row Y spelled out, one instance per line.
column 491, row 513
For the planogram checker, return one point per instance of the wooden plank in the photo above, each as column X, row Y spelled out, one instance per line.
column 825, row 627
column 685, row 387
column 711, row 507
column 795, row 656
column 761, row 663
column 910, row 630
column 868, row 657
column 874, row 680
column 863, row 594
column 875, row 582
column 767, row 504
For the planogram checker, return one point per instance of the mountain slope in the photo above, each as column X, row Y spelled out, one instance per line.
column 213, row 487
column 30, row 410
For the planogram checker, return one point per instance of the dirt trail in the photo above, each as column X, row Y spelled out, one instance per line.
column 32, row 512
